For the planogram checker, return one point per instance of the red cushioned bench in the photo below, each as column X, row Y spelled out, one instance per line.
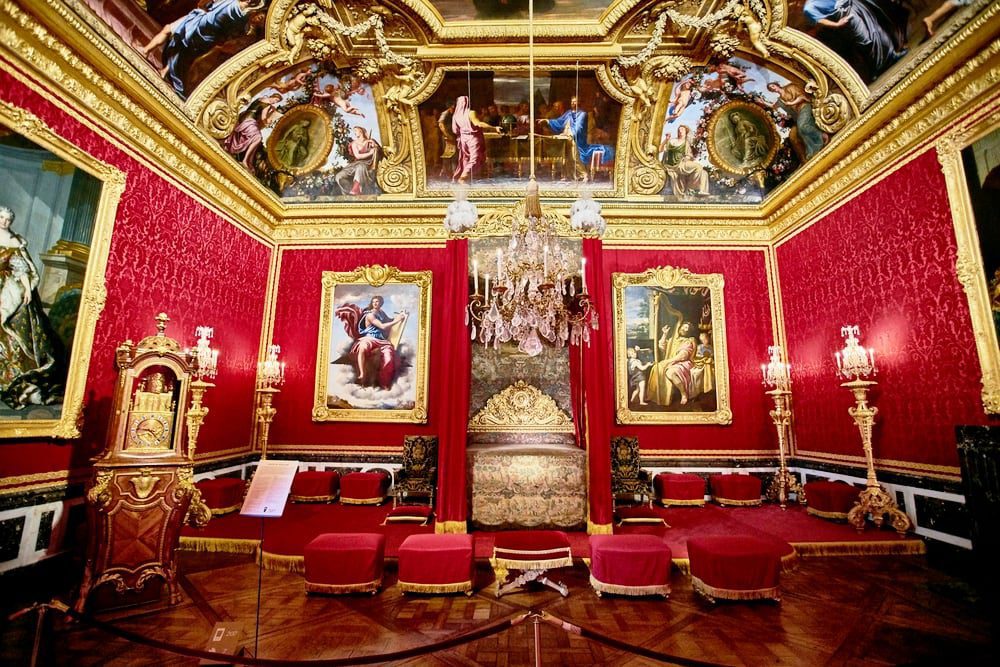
column 364, row 488
column 630, row 565
column 532, row 553
column 222, row 494
column 436, row 564
column 830, row 500
column 735, row 567
column 679, row 489
column 735, row 489
column 344, row 563
column 315, row 486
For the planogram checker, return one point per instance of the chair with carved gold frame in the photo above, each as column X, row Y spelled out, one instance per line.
column 418, row 476
column 629, row 482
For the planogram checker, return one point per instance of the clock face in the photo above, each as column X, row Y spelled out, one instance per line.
column 149, row 431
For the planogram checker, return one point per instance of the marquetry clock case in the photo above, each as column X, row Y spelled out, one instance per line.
column 142, row 491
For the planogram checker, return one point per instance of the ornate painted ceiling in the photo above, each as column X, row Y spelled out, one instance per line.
column 717, row 102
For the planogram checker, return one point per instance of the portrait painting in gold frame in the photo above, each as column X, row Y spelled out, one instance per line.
column 671, row 365
column 57, row 210
column 373, row 342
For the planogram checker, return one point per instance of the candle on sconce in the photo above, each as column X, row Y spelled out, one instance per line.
column 487, row 289
column 499, row 258
column 545, row 261
column 583, row 273
column 840, row 365
column 871, row 357
column 475, row 276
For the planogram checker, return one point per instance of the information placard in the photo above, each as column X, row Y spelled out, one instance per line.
column 269, row 488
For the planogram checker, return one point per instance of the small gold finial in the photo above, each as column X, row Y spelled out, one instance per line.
column 161, row 324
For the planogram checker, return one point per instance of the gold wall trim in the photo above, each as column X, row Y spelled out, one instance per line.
column 930, row 470
column 343, row 450
column 969, row 266
column 706, row 453
column 93, row 295
column 223, row 454
column 43, row 480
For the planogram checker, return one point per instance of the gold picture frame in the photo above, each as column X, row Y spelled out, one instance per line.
column 654, row 323
column 92, row 291
column 969, row 265
column 303, row 130
column 378, row 376
column 746, row 144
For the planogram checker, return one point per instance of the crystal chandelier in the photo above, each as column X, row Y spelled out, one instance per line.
column 532, row 295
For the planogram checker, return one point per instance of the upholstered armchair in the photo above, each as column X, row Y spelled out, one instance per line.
column 629, row 482
column 418, row 476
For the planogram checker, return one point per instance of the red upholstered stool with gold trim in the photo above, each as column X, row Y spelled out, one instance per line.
column 222, row 494
column 345, row 563
column 830, row 500
column 630, row 565
column 679, row 489
column 735, row 567
column 436, row 564
column 531, row 553
column 363, row 488
column 735, row 489
column 315, row 486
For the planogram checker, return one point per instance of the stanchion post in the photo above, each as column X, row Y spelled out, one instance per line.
column 537, row 621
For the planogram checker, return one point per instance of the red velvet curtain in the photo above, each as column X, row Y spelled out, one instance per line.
column 453, row 411
column 596, row 381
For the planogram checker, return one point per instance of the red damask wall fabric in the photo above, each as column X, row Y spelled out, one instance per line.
column 748, row 333
column 168, row 253
column 296, row 330
column 885, row 261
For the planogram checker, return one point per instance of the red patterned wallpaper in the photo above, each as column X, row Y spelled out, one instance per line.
column 748, row 333
column 296, row 330
column 885, row 261
column 156, row 264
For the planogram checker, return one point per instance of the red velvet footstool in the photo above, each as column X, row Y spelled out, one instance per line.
column 345, row 563
column 680, row 489
column 363, row 488
column 735, row 567
column 315, row 486
column 830, row 500
column 436, row 564
column 531, row 553
column 629, row 565
column 735, row 489
column 222, row 494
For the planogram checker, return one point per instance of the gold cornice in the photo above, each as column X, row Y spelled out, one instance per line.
column 521, row 408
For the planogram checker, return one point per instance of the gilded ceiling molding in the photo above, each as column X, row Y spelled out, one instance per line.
column 24, row 40
column 969, row 267
column 899, row 140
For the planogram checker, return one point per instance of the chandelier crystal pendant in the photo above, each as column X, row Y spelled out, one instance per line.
column 532, row 294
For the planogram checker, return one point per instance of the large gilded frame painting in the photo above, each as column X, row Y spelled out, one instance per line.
column 373, row 346
column 970, row 160
column 671, row 365
column 51, row 274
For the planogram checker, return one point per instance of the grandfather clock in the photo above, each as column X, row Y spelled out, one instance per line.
column 142, row 491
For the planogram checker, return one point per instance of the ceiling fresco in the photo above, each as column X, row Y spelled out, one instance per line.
column 714, row 102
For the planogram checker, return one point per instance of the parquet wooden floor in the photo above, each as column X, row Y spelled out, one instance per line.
column 834, row 611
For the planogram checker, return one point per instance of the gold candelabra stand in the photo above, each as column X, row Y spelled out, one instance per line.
column 196, row 413
column 265, row 415
column 784, row 482
column 874, row 499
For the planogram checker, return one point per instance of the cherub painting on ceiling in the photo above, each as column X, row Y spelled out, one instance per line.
column 732, row 131
column 312, row 134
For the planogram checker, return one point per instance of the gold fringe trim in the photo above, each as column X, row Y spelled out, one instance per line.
column 700, row 586
column 312, row 499
column 647, row 519
column 667, row 502
column 532, row 564
column 599, row 528
column 737, row 503
column 790, row 562
column 451, row 527
column 826, row 515
column 366, row 587
column 880, row 548
column 683, row 564
column 363, row 501
column 423, row 520
column 281, row 562
column 458, row 587
column 219, row 545
column 226, row 510
column 619, row 589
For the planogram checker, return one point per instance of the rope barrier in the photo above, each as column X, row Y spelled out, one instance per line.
column 471, row 636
